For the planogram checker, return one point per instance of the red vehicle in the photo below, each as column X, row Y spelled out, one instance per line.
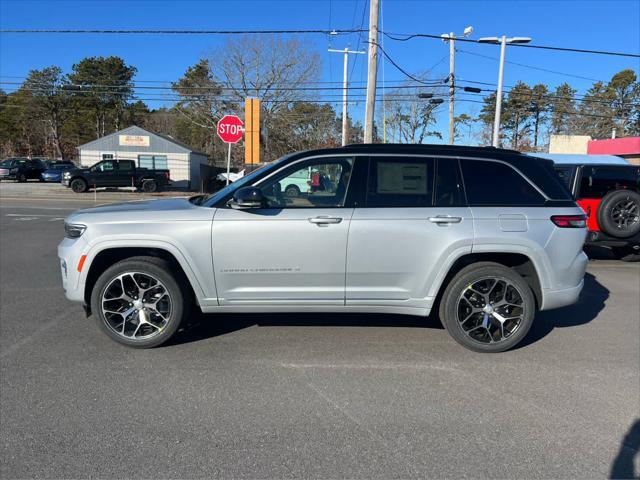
column 610, row 196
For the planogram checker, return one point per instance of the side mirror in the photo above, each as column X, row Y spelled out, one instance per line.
column 246, row 198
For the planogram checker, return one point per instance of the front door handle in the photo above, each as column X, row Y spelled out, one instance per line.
column 444, row 219
column 322, row 220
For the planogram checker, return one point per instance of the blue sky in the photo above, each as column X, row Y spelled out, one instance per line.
column 598, row 25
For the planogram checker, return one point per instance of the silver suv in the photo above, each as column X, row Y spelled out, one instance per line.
column 483, row 237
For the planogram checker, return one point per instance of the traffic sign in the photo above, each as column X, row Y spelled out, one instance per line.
column 230, row 129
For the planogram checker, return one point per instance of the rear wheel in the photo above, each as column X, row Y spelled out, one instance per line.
column 149, row 186
column 292, row 191
column 79, row 185
column 619, row 214
column 138, row 303
column 487, row 307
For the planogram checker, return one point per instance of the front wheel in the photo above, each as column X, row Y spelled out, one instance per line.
column 22, row 178
column 487, row 307
column 138, row 303
column 79, row 185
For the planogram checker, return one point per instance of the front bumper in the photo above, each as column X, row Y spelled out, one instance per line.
column 69, row 253
column 51, row 178
column 7, row 177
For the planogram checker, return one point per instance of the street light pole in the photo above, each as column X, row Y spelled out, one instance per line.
column 503, row 41
column 496, row 120
column 345, row 86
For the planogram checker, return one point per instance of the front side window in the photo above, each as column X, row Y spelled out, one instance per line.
column 106, row 166
column 400, row 182
column 318, row 183
column 596, row 182
column 494, row 183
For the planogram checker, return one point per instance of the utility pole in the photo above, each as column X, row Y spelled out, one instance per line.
column 372, row 70
column 345, row 86
column 452, row 88
column 451, row 38
column 502, row 41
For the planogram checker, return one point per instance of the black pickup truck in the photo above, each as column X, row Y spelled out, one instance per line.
column 115, row 173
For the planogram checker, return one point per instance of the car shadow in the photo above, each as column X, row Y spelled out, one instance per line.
column 622, row 466
column 202, row 326
column 589, row 305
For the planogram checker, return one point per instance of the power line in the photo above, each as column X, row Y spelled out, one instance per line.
column 393, row 36
column 527, row 66
column 403, row 37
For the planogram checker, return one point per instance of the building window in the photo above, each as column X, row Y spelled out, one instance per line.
column 152, row 161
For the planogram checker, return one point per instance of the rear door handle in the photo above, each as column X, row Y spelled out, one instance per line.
column 322, row 220
column 444, row 219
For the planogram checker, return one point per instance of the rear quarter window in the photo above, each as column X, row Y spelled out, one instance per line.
column 491, row 183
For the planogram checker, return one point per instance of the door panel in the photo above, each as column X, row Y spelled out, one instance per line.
column 293, row 250
column 279, row 256
column 395, row 254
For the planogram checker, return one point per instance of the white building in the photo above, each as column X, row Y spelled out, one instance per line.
column 150, row 150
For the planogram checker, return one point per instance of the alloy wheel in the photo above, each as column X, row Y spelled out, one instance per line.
column 136, row 306
column 625, row 214
column 490, row 310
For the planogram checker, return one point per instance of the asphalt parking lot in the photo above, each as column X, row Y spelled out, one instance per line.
column 327, row 396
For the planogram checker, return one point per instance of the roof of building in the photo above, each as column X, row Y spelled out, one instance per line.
column 111, row 140
column 615, row 146
column 581, row 159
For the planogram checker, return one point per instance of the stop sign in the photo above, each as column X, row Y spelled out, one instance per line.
column 230, row 129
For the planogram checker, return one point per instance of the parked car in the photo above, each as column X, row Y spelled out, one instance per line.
column 115, row 173
column 610, row 196
column 55, row 171
column 21, row 169
column 482, row 236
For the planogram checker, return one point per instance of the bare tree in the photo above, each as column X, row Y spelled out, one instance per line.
column 271, row 68
column 408, row 117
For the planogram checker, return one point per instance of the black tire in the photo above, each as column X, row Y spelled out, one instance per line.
column 452, row 304
column 78, row 185
column 626, row 254
column 619, row 214
column 292, row 191
column 161, row 270
column 22, row 178
column 149, row 186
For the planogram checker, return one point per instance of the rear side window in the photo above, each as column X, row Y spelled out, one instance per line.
column 125, row 165
column 596, row 182
column 493, row 183
column 400, row 182
column 565, row 173
column 449, row 191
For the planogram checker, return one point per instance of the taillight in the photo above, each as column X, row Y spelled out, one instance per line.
column 570, row 221
column 166, row 174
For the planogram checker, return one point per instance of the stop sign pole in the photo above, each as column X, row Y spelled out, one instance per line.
column 230, row 129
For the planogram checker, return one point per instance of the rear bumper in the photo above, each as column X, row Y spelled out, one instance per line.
column 604, row 240
column 561, row 298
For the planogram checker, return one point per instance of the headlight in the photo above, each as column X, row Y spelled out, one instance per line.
column 66, row 174
column 13, row 170
column 74, row 230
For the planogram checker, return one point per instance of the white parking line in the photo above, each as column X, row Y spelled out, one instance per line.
column 30, row 215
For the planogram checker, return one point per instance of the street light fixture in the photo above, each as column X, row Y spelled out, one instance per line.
column 503, row 41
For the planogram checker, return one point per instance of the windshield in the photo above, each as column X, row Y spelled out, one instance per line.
column 6, row 163
column 214, row 198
